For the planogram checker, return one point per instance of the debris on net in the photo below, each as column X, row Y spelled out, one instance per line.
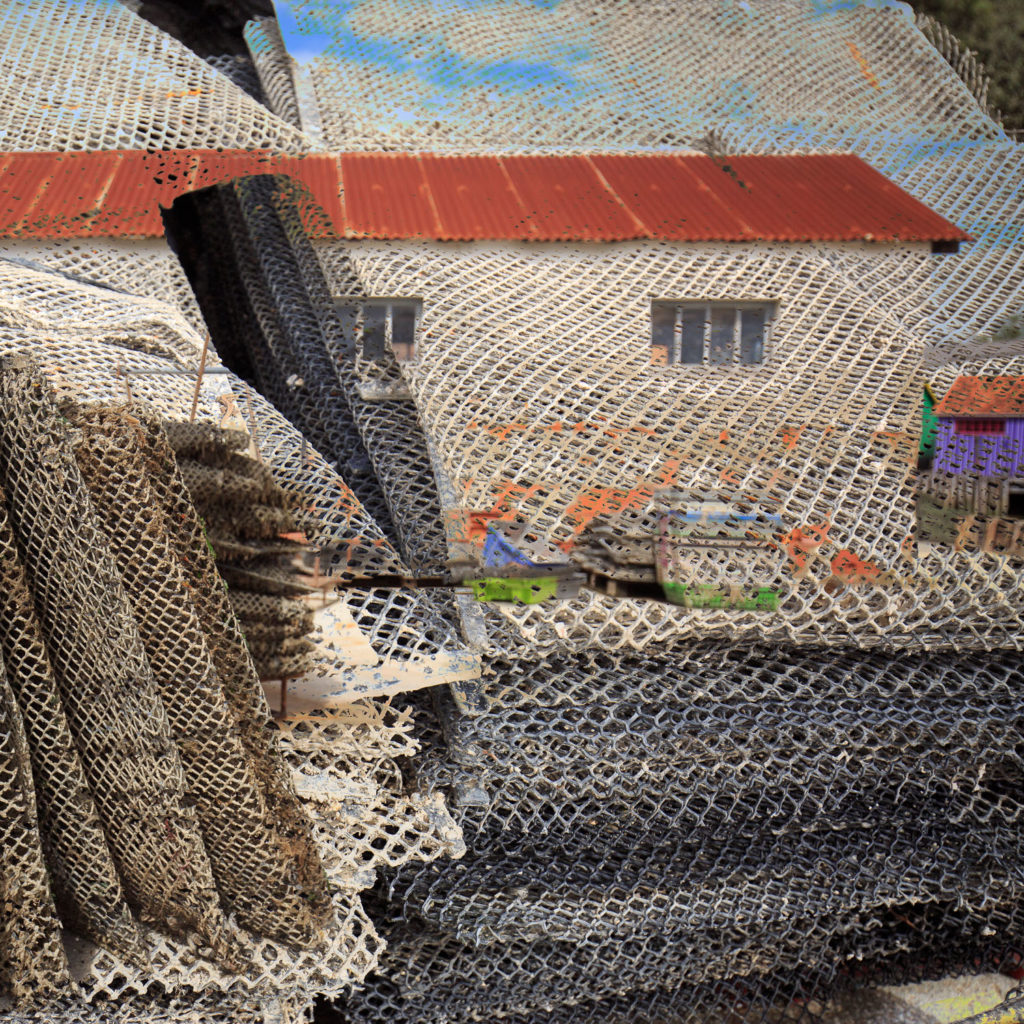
column 256, row 539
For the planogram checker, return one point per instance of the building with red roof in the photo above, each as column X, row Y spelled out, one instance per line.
column 980, row 439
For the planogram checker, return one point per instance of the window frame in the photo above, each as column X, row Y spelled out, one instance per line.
column 979, row 426
column 354, row 326
column 707, row 307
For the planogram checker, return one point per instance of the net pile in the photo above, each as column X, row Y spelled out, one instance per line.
column 195, row 821
column 122, row 362
column 97, row 76
column 671, row 813
column 139, row 267
column 666, row 835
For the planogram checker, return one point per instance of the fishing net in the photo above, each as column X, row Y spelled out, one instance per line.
column 574, row 435
column 109, row 486
column 674, row 830
column 97, row 76
column 33, row 966
column 82, row 870
column 527, row 76
column 675, row 812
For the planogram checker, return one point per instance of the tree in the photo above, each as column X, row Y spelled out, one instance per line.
column 994, row 30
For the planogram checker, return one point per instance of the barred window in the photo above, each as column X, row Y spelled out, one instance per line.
column 373, row 326
column 982, row 427
column 715, row 333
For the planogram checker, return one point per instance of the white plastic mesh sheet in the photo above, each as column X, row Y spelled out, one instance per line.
column 541, row 350
column 566, row 428
column 93, row 76
column 574, row 74
column 140, row 267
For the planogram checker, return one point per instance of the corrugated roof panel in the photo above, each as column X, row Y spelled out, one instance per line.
column 983, row 396
column 142, row 184
column 320, row 175
column 119, row 193
column 748, row 198
column 48, row 194
column 565, row 198
column 69, row 196
column 474, row 198
column 813, row 199
column 386, row 196
column 600, row 198
column 666, row 198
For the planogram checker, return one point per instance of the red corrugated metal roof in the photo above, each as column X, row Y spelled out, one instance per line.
column 826, row 197
column 983, row 396
column 829, row 197
column 119, row 193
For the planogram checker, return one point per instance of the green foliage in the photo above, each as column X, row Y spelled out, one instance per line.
column 994, row 30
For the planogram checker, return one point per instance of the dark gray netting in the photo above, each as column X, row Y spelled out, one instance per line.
column 254, row 325
column 745, row 830
column 281, row 330
column 433, row 978
column 344, row 526
column 84, row 876
column 397, row 448
column 389, row 429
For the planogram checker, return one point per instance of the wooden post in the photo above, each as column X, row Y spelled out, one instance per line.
column 199, row 378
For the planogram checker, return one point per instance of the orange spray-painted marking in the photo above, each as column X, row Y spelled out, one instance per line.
column 865, row 68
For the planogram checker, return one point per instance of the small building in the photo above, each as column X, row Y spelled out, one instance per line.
column 979, row 446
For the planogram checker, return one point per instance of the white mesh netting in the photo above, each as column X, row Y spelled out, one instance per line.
column 89, row 76
column 566, row 428
column 574, row 74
